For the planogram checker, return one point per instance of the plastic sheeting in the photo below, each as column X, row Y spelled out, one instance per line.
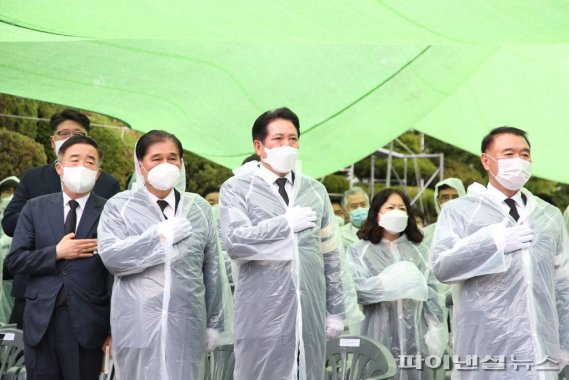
column 402, row 302
column 164, row 296
column 287, row 283
column 453, row 70
column 505, row 304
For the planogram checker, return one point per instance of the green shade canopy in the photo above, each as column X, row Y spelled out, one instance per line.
column 357, row 73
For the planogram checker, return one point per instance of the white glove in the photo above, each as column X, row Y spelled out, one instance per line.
column 517, row 237
column 403, row 280
column 334, row 327
column 300, row 218
column 171, row 231
column 436, row 340
column 212, row 336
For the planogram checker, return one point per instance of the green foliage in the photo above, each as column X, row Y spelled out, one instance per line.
column 18, row 153
column 336, row 184
column 202, row 174
column 118, row 149
column 11, row 105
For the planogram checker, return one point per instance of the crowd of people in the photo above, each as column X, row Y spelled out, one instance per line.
column 270, row 262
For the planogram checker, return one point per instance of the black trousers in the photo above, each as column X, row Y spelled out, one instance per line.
column 17, row 315
column 59, row 356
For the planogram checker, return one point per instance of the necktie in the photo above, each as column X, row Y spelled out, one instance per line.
column 513, row 209
column 282, row 191
column 71, row 219
column 162, row 204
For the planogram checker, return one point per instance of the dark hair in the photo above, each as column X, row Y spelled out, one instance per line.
column 153, row 137
column 260, row 126
column 73, row 140
column 253, row 157
column 210, row 189
column 373, row 232
column 489, row 138
column 8, row 184
column 444, row 186
column 336, row 199
column 69, row 114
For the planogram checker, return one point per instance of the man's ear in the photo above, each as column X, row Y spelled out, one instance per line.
column 59, row 168
column 259, row 149
column 484, row 161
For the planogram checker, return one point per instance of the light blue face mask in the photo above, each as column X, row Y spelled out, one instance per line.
column 358, row 216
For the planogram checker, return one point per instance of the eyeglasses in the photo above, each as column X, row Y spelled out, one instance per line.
column 66, row 134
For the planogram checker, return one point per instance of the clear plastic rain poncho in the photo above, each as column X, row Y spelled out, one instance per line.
column 402, row 302
column 349, row 235
column 286, row 283
column 164, row 296
column 455, row 183
column 505, row 304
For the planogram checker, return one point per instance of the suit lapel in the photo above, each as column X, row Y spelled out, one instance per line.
column 56, row 208
column 90, row 215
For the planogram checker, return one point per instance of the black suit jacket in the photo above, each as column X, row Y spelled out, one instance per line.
column 39, row 230
column 36, row 182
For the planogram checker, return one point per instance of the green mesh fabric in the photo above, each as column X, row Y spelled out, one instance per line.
column 357, row 73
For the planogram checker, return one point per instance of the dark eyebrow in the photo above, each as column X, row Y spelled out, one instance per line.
column 91, row 157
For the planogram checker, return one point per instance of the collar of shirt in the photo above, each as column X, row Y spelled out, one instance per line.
column 170, row 210
column 498, row 196
column 78, row 211
column 271, row 177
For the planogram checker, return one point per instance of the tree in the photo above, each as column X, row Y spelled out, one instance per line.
column 18, row 153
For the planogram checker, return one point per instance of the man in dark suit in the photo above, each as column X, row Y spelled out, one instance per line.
column 43, row 180
column 66, row 318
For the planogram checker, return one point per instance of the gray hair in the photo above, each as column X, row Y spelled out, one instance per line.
column 355, row 190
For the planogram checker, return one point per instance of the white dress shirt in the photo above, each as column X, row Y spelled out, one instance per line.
column 498, row 197
column 271, row 177
column 170, row 210
column 78, row 211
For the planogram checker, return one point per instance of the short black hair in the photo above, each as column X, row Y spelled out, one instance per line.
column 489, row 138
column 443, row 186
column 73, row 140
column 373, row 232
column 10, row 184
column 152, row 137
column 259, row 131
column 336, row 199
column 69, row 114
column 210, row 189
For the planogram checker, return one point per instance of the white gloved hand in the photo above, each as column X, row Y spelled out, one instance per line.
column 436, row 340
column 211, row 339
column 171, row 231
column 334, row 326
column 517, row 237
column 300, row 218
column 403, row 280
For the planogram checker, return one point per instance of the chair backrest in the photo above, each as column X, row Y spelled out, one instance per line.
column 352, row 357
column 11, row 351
column 220, row 363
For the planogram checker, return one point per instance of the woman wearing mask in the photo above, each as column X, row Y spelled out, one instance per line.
column 170, row 295
column 402, row 304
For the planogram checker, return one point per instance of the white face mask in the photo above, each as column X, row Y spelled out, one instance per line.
column 281, row 158
column 163, row 176
column 58, row 145
column 513, row 173
column 394, row 221
column 79, row 179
